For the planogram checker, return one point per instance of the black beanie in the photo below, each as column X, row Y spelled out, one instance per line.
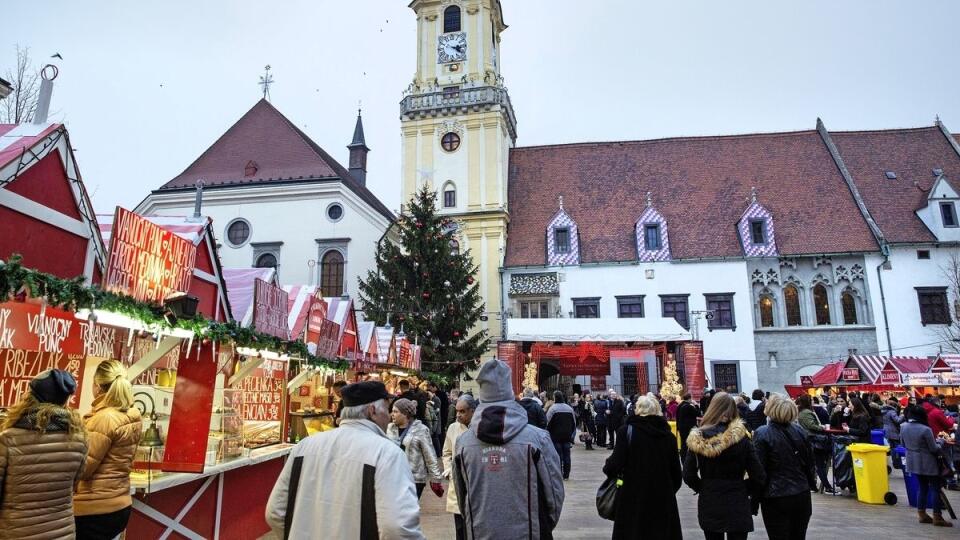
column 53, row 386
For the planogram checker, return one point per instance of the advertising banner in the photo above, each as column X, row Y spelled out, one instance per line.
column 695, row 375
column 147, row 261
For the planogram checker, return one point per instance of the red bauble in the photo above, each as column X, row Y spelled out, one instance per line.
column 426, row 295
column 470, row 280
column 456, row 334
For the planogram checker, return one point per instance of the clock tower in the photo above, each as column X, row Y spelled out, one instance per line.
column 458, row 127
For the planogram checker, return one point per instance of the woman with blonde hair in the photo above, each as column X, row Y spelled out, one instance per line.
column 719, row 454
column 645, row 458
column 42, row 445
column 787, row 458
column 102, row 502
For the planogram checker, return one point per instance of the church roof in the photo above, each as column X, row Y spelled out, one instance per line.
column 700, row 185
column 263, row 147
column 912, row 155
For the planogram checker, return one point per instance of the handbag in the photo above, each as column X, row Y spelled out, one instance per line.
column 607, row 493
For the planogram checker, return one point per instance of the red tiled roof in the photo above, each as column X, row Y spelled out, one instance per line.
column 829, row 374
column 912, row 154
column 280, row 151
column 700, row 185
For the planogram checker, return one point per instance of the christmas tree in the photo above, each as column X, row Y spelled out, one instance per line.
column 671, row 387
column 425, row 286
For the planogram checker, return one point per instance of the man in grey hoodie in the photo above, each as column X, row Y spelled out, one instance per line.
column 506, row 472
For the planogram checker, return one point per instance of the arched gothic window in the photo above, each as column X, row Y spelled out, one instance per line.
column 449, row 195
column 267, row 260
column 451, row 19
column 766, row 312
column 821, row 304
column 331, row 274
column 849, row 305
column 791, row 301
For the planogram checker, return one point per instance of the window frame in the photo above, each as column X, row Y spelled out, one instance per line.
column 718, row 313
column 676, row 299
column 948, row 205
column 556, row 240
column 647, row 228
column 631, row 300
column 930, row 292
column 452, row 191
column 852, row 307
column 330, row 207
column 786, row 305
column 763, row 232
column 454, row 143
column 772, row 306
column 233, row 222
column 325, row 288
column 448, row 22
column 276, row 260
column 593, row 302
column 543, row 307
column 817, row 310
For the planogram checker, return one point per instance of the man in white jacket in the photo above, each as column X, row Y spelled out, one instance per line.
column 352, row 482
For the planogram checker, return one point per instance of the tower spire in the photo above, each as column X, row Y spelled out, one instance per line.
column 358, row 151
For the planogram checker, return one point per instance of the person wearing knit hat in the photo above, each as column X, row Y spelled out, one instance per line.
column 506, row 472
column 40, row 434
column 414, row 439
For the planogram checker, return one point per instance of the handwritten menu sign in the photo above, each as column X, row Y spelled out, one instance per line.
column 261, row 392
column 146, row 261
column 270, row 310
column 34, row 339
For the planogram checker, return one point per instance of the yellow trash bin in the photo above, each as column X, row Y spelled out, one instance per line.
column 673, row 428
column 870, row 472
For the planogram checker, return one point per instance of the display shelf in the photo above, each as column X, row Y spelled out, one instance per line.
column 141, row 484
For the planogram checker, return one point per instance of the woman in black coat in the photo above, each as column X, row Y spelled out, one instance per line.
column 645, row 457
column 719, row 453
column 859, row 425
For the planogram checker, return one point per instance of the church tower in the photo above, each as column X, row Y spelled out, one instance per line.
column 458, row 127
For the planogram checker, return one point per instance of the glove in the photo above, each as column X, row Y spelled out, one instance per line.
column 437, row 488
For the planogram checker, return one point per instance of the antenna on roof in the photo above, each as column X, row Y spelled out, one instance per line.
column 753, row 195
column 265, row 81
column 649, row 199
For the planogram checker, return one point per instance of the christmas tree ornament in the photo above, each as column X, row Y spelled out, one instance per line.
column 470, row 280
column 446, row 283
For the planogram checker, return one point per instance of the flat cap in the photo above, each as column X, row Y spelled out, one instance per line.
column 364, row 392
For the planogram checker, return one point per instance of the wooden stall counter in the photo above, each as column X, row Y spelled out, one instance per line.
column 226, row 500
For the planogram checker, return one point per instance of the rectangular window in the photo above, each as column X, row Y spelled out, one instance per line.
column 651, row 237
column 721, row 306
column 757, row 232
column 949, row 214
column 537, row 309
column 449, row 198
column 451, row 92
column 586, row 308
column 561, row 240
column 726, row 377
column 629, row 307
column 675, row 306
column 933, row 305
column 923, row 254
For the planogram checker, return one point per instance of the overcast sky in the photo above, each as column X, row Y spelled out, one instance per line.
column 145, row 87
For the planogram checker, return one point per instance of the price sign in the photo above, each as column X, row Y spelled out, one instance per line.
column 262, row 392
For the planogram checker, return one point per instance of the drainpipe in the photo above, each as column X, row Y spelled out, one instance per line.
column 503, row 311
column 885, row 250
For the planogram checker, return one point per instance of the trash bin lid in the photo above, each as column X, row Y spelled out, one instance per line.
column 866, row 448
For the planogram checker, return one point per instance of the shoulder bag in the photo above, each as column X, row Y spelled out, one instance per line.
column 607, row 493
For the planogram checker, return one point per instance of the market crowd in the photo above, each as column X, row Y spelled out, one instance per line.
column 506, row 458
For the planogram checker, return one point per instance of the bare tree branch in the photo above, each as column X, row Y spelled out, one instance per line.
column 950, row 334
column 21, row 104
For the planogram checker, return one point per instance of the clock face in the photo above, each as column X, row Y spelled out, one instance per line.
column 452, row 47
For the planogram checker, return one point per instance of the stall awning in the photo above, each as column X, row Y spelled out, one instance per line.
column 828, row 375
column 240, row 283
column 298, row 307
column 599, row 330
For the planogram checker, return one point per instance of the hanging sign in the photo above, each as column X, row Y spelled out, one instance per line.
column 262, row 391
column 921, row 379
column 950, row 379
column 806, row 380
column 270, row 309
column 147, row 261
column 34, row 339
column 851, row 374
column 889, row 377
column 695, row 374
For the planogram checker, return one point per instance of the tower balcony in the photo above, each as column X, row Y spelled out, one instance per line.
column 451, row 102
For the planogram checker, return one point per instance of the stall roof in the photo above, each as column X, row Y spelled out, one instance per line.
column 339, row 311
column 385, row 353
column 829, row 374
column 952, row 360
column 240, row 289
column 911, row 364
column 298, row 307
column 870, row 366
column 365, row 332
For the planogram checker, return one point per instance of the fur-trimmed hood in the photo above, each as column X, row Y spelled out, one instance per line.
column 712, row 442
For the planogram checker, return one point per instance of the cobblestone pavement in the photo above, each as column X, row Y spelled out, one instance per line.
column 833, row 517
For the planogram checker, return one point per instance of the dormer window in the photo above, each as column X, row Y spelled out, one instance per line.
column 949, row 214
column 651, row 237
column 451, row 19
column 757, row 232
column 561, row 240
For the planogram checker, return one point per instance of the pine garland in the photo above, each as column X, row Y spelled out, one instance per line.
column 74, row 294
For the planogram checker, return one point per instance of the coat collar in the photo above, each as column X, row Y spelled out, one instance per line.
column 712, row 446
column 363, row 424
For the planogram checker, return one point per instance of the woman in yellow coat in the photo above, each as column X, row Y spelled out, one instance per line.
column 102, row 502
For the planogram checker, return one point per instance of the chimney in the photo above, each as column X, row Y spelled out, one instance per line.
column 48, row 74
column 198, row 203
column 358, row 153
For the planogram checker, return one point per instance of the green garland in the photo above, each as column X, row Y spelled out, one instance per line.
column 74, row 294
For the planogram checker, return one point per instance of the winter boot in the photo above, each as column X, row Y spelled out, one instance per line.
column 924, row 517
column 938, row 520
